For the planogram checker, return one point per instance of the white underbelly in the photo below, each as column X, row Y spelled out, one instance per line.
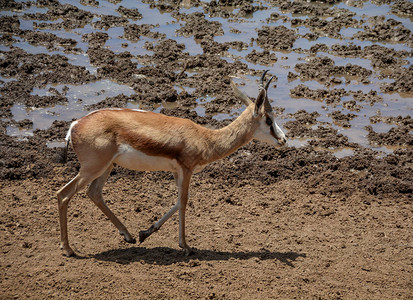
column 198, row 168
column 130, row 158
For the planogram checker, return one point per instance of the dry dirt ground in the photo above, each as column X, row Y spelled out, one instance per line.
column 265, row 222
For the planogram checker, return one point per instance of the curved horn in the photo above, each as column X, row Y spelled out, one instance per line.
column 261, row 85
column 268, row 83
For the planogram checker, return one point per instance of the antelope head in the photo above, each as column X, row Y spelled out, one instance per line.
column 268, row 130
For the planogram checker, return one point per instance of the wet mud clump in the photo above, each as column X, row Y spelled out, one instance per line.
column 396, row 136
column 331, row 28
column 330, row 97
column 225, row 9
column 341, row 119
column 333, row 97
column 322, row 135
column 402, row 7
column 403, row 81
column 262, row 58
column 130, row 13
column 324, row 70
column 276, row 38
column 380, row 29
column 196, row 25
column 133, row 32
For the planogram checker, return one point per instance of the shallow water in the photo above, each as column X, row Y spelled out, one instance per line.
column 79, row 96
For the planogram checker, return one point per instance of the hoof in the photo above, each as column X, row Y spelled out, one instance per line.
column 127, row 237
column 73, row 254
column 67, row 251
column 143, row 234
column 189, row 251
column 130, row 241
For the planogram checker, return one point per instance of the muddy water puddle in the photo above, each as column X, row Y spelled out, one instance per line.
column 283, row 63
column 78, row 96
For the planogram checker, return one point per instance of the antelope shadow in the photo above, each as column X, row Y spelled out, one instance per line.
column 168, row 256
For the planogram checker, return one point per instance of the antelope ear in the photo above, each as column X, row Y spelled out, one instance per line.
column 240, row 95
column 260, row 101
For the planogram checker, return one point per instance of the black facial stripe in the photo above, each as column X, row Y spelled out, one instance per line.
column 273, row 132
column 268, row 121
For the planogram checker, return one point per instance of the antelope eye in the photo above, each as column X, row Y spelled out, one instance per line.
column 268, row 121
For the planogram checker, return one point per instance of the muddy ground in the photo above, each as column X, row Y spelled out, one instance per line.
column 265, row 222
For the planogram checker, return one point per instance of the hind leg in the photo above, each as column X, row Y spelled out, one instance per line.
column 63, row 198
column 95, row 193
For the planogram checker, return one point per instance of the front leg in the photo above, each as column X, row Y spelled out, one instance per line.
column 183, row 186
column 182, row 243
column 143, row 234
column 182, row 181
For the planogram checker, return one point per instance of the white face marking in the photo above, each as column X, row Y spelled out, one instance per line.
column 132, row 159
column 279, row 132
column 263, row 133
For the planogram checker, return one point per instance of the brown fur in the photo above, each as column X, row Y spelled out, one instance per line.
column 156, row 135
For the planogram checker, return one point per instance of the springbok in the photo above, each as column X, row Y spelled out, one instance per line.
column 148, row 141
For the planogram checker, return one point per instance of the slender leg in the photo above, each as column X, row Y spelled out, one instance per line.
column 183, row 199
column 143, row 234
column 85, row 176
column 182, row 179
column 95, row 193
column 63, row 198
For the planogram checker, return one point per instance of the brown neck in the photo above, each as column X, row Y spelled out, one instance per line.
column 226, row 140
